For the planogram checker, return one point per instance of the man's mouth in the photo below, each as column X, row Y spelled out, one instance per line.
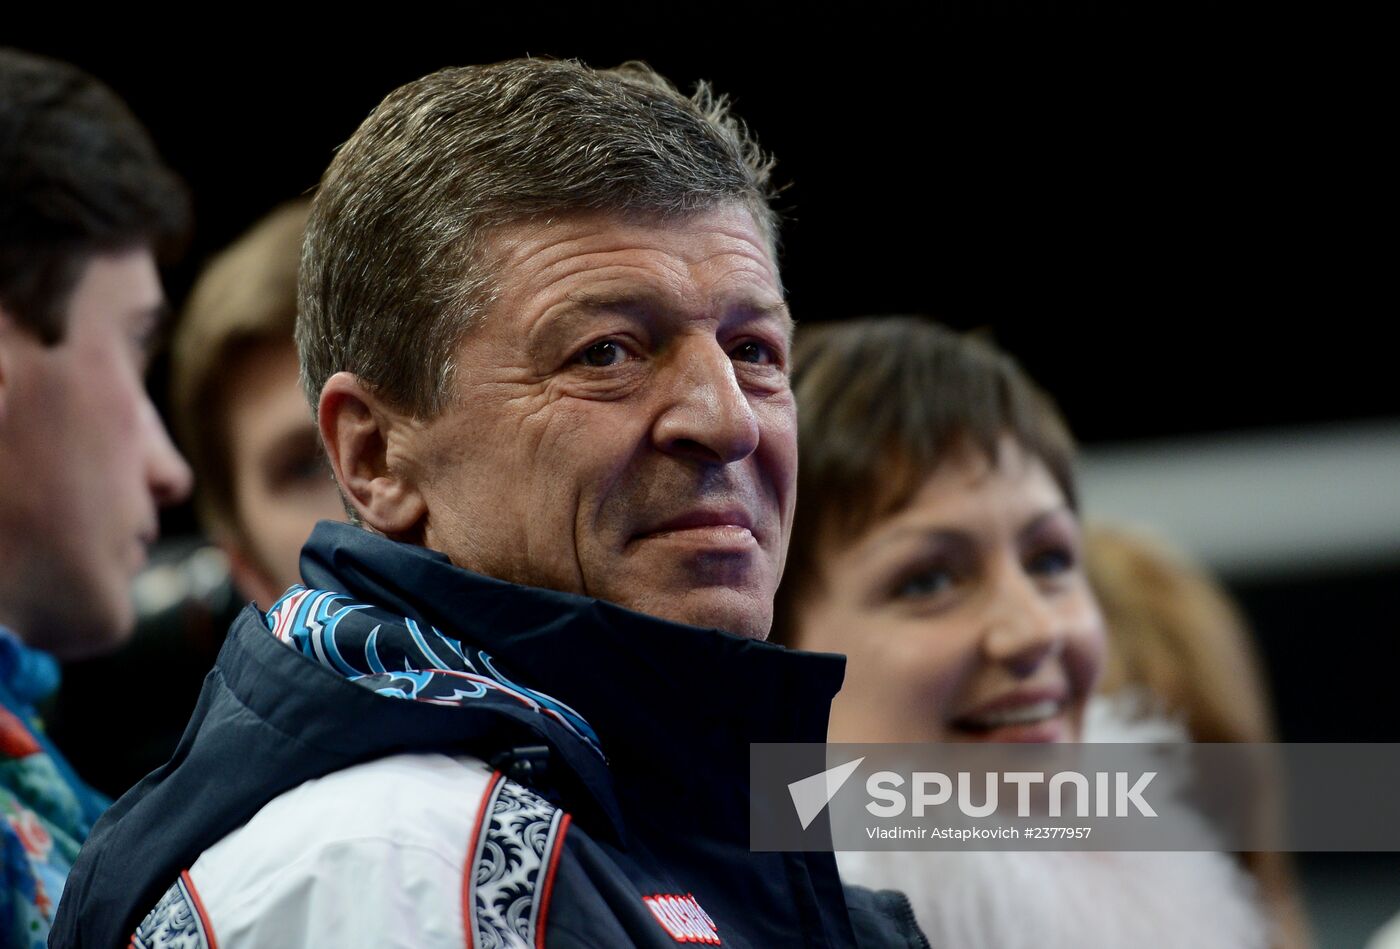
column 724, row 526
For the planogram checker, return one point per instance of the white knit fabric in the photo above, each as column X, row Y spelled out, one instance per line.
column 1075, row 900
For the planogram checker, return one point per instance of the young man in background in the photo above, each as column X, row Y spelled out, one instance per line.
column 85, row 463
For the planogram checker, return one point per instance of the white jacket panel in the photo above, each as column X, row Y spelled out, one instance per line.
column 342, row 861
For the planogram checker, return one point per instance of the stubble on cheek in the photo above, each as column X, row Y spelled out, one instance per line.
column 552, row 487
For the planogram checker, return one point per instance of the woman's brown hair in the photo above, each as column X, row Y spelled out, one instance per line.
column 881, row 403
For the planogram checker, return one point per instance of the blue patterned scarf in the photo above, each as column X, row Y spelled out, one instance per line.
column 395, row 656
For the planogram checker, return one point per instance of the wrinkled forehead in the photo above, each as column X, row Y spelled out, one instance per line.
column 713, row 261
column 508, row 243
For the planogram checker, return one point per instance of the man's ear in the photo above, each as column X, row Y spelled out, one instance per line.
column 358, row 429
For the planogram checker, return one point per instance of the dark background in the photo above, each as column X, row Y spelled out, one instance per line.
column 1176, row 226
column 1173, row 225
column 1176, row 230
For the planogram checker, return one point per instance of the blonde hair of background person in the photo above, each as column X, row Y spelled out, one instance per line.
column 1177, row 638
column 262, row 480
column 1175, row 633
column 937, row 543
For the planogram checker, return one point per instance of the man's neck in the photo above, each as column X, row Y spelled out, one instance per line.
column 661, row 696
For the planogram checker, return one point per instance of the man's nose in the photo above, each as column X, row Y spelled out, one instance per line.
column 1024, row 631
column 167, row 473
column 707, row 416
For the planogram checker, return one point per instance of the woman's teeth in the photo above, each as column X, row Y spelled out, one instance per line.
column 1022, row 715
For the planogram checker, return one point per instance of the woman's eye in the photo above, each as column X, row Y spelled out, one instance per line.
column 1052, row 562
column 605, row 353
column 755, row 352
column 925, row 584
column 297, row 469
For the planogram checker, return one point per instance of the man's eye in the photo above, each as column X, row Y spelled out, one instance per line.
column 755, row 352
column 605, row 353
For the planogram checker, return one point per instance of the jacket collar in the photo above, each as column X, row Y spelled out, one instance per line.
column 675, row 706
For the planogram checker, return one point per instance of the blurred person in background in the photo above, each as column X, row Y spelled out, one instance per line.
column 88, row 209
column 1179, row 646
column 1179, row 649
column 261, row 476
column 938, row 544
column 261, row 484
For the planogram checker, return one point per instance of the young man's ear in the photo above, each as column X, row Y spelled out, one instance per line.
column 358, row 429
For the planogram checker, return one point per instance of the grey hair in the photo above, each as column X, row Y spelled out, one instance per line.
column 393, row 268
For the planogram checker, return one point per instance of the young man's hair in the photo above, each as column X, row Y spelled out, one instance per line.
column 244, row 299
column 881, row 404
column 78, row 176
column 394, row 268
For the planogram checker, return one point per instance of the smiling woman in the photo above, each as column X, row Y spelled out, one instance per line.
column 939, row 547
column 939, row 543
column 967, row 608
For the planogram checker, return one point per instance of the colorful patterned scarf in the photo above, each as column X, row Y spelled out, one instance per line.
column 46, row 811
column 395, row 656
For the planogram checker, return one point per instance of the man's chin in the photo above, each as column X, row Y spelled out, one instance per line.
column 735, row 611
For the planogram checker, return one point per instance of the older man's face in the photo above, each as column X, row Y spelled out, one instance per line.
column 622, row 425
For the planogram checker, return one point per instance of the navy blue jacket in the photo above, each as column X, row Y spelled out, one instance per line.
column 674, row 707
